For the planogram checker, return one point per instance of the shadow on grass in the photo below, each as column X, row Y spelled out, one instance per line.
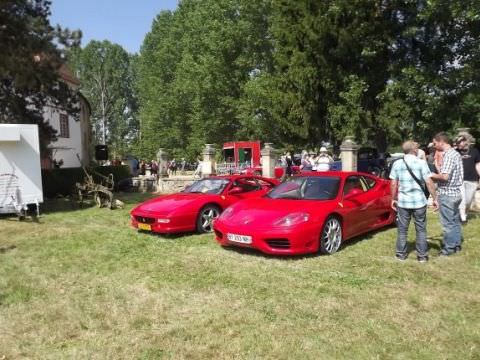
column 173, row 236
column 69, row 204
column 434, row 242
column 347, row 243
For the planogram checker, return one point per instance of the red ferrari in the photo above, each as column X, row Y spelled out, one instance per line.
column 194, row 208
column 311, row 212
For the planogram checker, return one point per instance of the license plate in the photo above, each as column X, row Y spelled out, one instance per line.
column 244, row 239
column 147, row 227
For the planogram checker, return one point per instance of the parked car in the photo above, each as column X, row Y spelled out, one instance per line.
column 308, row 213
column 194, row 208
column 369, row 160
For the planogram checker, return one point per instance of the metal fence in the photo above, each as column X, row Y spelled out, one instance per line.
column 226, row 168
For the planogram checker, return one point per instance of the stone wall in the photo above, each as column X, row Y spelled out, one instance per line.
column 173, row 185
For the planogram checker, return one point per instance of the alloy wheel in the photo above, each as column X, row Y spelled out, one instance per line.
column 331, row 236
column 207, row 216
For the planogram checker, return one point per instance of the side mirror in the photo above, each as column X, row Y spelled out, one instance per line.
column 353, row 193
column 235, row 190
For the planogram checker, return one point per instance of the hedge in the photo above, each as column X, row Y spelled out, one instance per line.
column 62, row 181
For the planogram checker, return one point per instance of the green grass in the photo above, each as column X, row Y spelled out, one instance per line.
column 81, row 283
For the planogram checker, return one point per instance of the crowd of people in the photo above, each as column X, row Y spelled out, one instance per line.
column 316, row 162
column 449, row 174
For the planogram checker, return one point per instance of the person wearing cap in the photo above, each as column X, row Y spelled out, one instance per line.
column 450, row 181
column 408, row 200
column 471, row 173
column 324, row 160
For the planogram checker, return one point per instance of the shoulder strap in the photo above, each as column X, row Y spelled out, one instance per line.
column 413, row 175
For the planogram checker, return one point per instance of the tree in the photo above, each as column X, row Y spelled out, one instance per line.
column 32, row 53
column 193, row 69
column 297, row 73
column 107, row 75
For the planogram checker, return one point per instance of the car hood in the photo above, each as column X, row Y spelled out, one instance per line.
column 263, row 212
column 166, row 204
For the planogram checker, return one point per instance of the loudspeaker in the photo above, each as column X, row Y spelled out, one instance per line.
column 101, row 152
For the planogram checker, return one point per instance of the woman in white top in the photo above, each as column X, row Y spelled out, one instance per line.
column 324, row 160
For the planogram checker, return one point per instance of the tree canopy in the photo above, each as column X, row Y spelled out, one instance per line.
column 32, row 53
column 301, row 72
column 106, row 73
column 295, row 73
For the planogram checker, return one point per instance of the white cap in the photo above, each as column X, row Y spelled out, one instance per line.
column 323, row 149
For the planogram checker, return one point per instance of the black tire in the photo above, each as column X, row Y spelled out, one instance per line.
column 331, row 236
column 205, row 217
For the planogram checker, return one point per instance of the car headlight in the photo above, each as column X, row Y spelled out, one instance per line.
column 292, row 219
column 226, row 214
column 163, row 221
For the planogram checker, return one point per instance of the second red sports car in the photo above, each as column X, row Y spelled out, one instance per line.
column 312, row 212
column 200, row 203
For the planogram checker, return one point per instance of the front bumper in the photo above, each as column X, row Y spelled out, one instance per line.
column 177, row 224
column 295, row 240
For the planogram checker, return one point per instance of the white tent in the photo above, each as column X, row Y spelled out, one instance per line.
column 20, row 173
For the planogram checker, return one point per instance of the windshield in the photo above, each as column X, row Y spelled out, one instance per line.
column 208, row 186
column 307, row 188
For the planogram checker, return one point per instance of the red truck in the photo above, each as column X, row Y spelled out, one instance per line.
column 244, row 157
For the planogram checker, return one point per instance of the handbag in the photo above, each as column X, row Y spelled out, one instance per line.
column 422, row 184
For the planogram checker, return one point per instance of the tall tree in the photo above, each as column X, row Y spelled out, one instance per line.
column 106, row 74
column 32, row 53
column 194, row 65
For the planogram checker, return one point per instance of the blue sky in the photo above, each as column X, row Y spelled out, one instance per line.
column 124, row 22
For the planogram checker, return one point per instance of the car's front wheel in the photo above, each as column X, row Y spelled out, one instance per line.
column 205, row 218
column 331, row 236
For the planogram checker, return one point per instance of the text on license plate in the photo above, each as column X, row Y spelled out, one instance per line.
column 142, row 226
column 244, row 239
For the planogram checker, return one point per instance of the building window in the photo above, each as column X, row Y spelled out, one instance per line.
column 64, row 129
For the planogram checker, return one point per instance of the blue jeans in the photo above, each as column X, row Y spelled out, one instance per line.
column 403, row 221
column 450, row 220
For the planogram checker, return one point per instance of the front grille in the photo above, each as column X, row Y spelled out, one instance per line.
column 219, row 234
column 144, row 220
column 278, row 243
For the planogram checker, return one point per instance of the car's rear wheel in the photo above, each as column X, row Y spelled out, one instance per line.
column 331, row 236
column 205, row 218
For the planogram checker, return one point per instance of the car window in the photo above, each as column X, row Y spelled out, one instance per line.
column 207, row 186
column 246, row 184
column 264, row 183
column 307, row 188
column 370, row 182
column 354, row 182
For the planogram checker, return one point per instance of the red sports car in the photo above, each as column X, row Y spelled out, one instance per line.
column 200, row 203
column 311, row 212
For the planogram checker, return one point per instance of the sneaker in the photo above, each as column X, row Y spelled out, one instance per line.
column 464, row 222
column 458, row 248
column 400, row 257
column 422, row 259
column 444, row 252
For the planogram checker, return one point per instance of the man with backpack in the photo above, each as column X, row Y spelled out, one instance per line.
column 410, row 178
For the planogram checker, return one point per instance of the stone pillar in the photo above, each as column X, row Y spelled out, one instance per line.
column 349, row 150
column 269, row 160
column 465, row 132
column 162, row 159
column 208, row 163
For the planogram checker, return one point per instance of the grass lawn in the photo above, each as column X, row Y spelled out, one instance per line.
column 81, row 283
